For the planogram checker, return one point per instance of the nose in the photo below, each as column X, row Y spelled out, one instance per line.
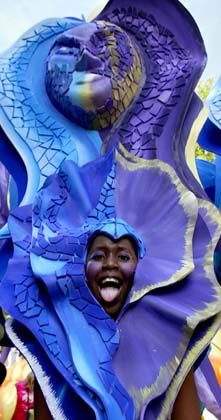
column 88, row 61
column 110, row 262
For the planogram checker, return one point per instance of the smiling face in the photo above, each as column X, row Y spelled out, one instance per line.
column 110, row 269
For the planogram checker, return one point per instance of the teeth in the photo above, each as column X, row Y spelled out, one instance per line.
column 109, row 280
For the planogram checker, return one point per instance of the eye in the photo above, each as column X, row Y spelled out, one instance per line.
column 97, row 256
column 124, row 257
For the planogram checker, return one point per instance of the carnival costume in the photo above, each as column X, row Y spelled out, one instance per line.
column 87, row 365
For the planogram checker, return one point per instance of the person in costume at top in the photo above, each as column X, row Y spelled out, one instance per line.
column 148, row 68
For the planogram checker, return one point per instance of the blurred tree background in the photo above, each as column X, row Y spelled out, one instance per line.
column 203, row 89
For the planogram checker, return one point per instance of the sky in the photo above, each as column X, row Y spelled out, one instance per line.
column 17, row 16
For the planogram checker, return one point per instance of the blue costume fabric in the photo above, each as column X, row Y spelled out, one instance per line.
column 45, row 289
column 87, row 365
column 210, row 172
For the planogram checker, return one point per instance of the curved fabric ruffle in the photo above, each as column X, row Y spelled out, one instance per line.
column 172, row 311
column 39, row 138
column 35, row 135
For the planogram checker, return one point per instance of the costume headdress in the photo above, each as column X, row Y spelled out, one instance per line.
column 150, row 111
column 175, row 298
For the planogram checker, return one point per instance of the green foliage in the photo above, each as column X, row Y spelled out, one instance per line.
column 201, row 153
column 203, row 89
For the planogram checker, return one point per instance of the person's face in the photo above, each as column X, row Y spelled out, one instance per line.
column 110, row 268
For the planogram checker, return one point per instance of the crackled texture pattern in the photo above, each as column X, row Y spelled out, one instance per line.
column 124, row 76
column 68, row 283
column 145, row 72
column 33, row 131
column 71, row 283
column 168, row 69
column 45, row 287
column 47, row 139
column 93, row 73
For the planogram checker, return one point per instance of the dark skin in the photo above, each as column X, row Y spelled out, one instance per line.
column 111, row 265
column 109, row 270
column 186, row 405
column 40, row 407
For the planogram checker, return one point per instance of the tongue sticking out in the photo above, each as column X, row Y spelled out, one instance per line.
column 109, row 293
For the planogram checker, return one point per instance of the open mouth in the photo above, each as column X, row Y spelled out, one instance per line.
column 110, row 289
